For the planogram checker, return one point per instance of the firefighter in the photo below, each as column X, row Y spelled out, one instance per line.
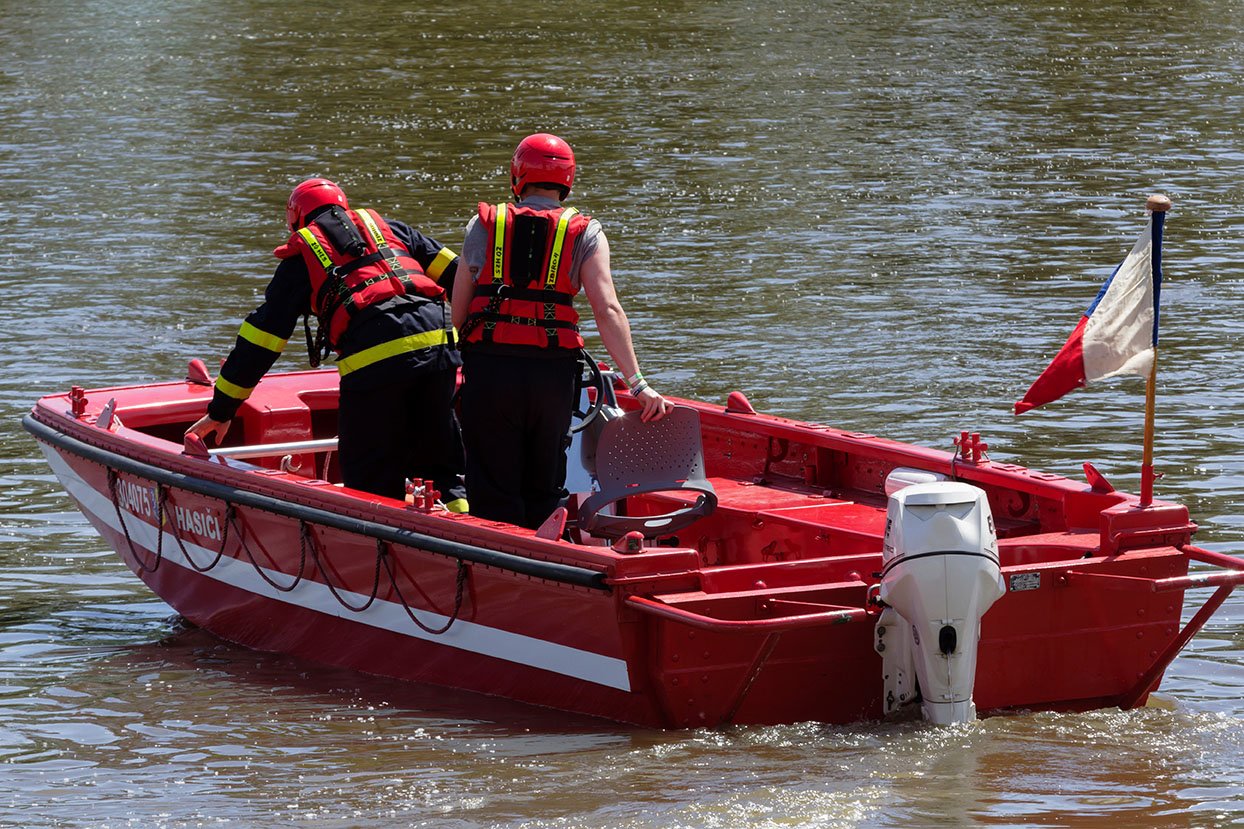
column 514, row 306
column 378, row 290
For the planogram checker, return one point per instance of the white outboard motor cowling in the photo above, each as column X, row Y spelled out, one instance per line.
column 940, row 574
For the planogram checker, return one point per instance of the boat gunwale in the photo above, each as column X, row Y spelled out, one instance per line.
column 230, row 493
column 615, row 570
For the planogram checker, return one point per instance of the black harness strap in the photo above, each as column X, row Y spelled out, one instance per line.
column 528, row 294
column 493, row 317
column 499, row 292
column 334, row 294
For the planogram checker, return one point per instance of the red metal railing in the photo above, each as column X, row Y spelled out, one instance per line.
column 1225, row 580
column 777, row 624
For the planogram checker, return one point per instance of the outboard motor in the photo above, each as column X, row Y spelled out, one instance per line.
column 940, row 574
column 903, row 476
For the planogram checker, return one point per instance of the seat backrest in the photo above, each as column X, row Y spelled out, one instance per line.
column 632, row 452
column 633, row 458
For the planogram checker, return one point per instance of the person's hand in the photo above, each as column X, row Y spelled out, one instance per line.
column 206, row 426
column 655, row 406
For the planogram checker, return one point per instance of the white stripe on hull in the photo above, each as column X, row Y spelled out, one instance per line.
column 313, row 595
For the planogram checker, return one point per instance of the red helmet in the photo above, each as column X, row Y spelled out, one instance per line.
column 312, row 193
column 541, row 159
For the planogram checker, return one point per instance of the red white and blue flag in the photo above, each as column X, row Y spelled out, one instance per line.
column 1118, row 334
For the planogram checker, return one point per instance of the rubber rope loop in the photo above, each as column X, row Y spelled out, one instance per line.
column 302, row 561
column 462, row 574
column 116, row 504
column 181, row 544
column 303, row 528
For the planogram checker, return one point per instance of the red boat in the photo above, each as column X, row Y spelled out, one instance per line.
column 734, row 567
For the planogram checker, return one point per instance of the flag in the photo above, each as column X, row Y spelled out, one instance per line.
column 1118, row 334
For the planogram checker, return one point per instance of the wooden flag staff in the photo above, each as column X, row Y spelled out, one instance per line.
column 1157, row 205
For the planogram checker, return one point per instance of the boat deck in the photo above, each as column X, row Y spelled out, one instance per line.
column 787, row 491
column 755, row 524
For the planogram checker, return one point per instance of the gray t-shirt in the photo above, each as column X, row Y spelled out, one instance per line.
column 477, row 247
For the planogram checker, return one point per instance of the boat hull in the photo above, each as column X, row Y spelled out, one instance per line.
column 762, row 613
column 512, row 635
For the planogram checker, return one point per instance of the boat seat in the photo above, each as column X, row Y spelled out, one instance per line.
column 637, row 458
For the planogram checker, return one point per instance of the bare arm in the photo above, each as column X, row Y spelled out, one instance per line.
column 614, row 328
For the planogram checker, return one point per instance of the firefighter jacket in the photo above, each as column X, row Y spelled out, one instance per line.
column 386, row 337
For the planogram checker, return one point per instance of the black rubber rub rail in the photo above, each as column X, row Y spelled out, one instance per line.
column 552, row 571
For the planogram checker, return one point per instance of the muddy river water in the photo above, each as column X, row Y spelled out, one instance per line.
column 885, row 216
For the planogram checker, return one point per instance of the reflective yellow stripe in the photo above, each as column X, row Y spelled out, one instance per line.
column 458, row 505
column 316, row 247
column 555, row 257
column 498, row 244
column 392, row 348
column 232, row 389
column 372, row 228
column 262, row 338
column 440, row 263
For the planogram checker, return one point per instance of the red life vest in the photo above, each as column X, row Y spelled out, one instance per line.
column 352, row 267
column 524, row 294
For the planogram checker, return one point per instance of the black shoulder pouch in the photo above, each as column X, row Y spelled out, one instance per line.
column 528, row 242
column 341, row 232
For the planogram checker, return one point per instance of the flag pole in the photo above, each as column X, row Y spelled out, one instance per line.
column 1157, row 205
column 1147, row 475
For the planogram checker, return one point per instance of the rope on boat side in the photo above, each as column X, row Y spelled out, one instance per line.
column 463, row 570
column 302, row 561
column 305, row 533
column 556, row 572
column 306, row 540
column 113, row 477
column 224, row 540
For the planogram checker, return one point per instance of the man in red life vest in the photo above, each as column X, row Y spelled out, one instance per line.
column 377, row 288
column 514, row 307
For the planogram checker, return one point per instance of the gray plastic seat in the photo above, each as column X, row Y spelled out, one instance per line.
column 637, row 458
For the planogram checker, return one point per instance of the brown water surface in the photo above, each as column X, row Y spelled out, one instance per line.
column 882, row 216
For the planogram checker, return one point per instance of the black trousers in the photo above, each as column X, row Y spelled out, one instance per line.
column 515, row 424
column 403, row 430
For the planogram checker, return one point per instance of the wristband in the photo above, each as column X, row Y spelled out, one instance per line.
column 638, row 387
column 634, row 379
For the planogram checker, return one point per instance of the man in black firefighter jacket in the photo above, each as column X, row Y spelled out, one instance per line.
column 378, row 291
